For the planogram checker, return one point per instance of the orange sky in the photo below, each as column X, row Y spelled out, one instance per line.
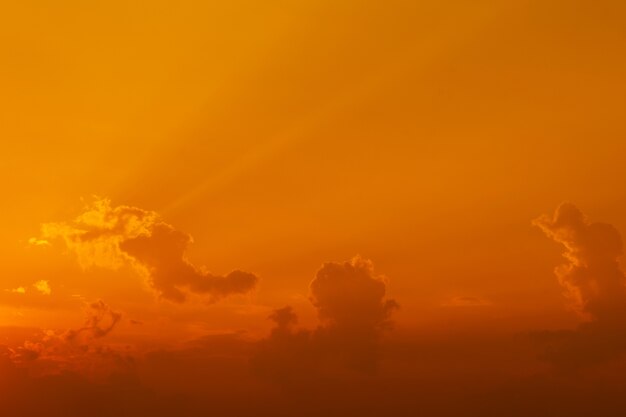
column 274, row 137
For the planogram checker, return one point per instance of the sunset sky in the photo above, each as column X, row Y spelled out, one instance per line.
column 312, row 208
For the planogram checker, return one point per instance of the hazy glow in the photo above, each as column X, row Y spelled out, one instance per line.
column 326, row 208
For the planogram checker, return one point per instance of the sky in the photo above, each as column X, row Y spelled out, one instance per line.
column 312, row 207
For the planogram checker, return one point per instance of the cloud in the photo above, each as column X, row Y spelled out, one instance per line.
column 77, row 350
column 162, row 252
column 43, row 287
column 353, row 313
column 289, row 357
column 350, row 295
column 38, row 242
column 111, row 237
column 285, row 318
column 594, row 284
column 29, row 297
column 592, row 276
column 100, row 321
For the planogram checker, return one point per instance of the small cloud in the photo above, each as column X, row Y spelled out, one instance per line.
column 43, row 287
column 19, row 290
column 466, row 301
column 38, row 242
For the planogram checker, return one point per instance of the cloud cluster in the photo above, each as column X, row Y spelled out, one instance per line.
column 77, row 350
column 327, row 370
column 111, row 237
column 593, row 282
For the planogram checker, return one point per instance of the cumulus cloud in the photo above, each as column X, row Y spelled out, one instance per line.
column 111, row 237
column 592, row 276
column 353, row 311
column 350, row 295
column 593, row 282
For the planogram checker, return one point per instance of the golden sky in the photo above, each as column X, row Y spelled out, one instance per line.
column 394, row 184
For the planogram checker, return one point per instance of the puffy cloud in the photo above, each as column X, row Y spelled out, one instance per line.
column 19, row 290
column 162, row 252
column 95, row 235
column 353, row 312
column 594, row 284
column 351, row 295
column 110, row 237
column 592, row 276
column 43, row 287
column 351, row 304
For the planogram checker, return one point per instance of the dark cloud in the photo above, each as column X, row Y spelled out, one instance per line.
column 289, row 357
column 475, row 375
column 50, row 351
column 285, row 318
column 353, row 312
column 351, row 304
column 100, row 321
column 594, row 284
column 70, row 394
column 162, row 252
column 350, row 295
column 350, row 364
column 110, row 237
